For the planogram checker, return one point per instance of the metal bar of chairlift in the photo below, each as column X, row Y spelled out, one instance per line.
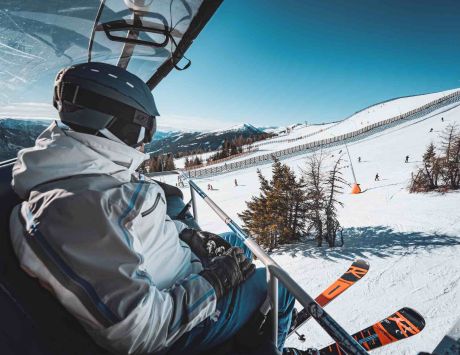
column 194, row 209
column 347, row 343
column 273, row 299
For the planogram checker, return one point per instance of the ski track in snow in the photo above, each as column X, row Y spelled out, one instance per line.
column 412, row 241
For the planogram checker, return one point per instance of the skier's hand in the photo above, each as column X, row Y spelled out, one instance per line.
column 204, row 244
column 227, row 271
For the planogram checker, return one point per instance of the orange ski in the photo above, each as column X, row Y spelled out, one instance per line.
column 355, row 272
column 401, row 325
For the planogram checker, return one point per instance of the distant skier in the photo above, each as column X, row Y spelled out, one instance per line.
column 407, row 159
column 377, row 177
column 236, row 182
column 359, row 159
column 442, row 119
column 431, row 130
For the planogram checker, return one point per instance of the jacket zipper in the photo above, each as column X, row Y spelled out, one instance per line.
column 151, row 209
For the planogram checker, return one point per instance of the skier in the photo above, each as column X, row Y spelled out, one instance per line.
column 96, row 233
column 236, row 182
column 407, row 159
column 431, row 130
column 377, row 177
column 359, row 159
column 442, row 119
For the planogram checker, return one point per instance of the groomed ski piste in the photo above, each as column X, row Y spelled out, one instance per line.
column 412, row 241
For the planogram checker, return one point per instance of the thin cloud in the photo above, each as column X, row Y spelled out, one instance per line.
column 28, row 110
column 189, row 123
column 40, row 110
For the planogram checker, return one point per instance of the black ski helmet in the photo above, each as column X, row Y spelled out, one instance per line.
column 104, row 99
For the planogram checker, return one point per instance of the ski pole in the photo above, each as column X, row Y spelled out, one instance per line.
column 340, row 336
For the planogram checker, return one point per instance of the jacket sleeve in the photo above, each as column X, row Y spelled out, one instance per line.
column 161, row 317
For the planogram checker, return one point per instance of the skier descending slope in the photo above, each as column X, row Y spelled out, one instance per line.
column 96, row 233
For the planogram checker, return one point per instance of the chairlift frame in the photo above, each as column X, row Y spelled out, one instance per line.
column 139, row 23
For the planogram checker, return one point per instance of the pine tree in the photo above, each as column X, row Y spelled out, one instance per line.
column 225, row 150
column 276, row 217
column 197, row 161
column 169, row 164
column 233, row 149
column 315, row 196
column 450, row 142
column 322, row 201
column 334, row 187
column 431, row 166
column 160, row 163
column 257, row 216
column 426, row 177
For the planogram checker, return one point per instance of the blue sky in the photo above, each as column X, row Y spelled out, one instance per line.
column 283, row 61
column 276, row 62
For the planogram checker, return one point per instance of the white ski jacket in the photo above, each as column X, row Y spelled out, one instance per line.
column 96, row 234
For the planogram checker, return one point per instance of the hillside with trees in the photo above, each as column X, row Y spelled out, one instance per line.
column 440, row 170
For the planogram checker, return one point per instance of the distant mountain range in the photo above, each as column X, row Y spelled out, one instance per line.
column 16, row 134
column 174, row 142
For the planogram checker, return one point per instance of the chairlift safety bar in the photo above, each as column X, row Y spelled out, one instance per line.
column 274, row 273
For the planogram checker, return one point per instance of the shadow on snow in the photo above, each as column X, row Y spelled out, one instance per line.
column 362, row 242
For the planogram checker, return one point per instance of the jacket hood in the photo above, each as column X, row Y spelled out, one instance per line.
column 59, row 154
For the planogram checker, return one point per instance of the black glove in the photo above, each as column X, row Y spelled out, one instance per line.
column 204, row 244
column 228, row 270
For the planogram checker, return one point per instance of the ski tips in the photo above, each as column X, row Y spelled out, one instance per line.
column 413, row 316
column 362, row 263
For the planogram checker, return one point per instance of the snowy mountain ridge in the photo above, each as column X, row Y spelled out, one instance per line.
column 182, row 141
column 242, row 127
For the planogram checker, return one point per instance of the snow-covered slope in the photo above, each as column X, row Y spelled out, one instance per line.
column 411, row 241
column 365, row 117
column 384, row 110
